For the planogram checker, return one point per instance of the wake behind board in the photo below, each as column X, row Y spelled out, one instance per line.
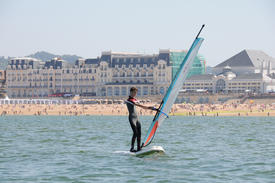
column 149, row 151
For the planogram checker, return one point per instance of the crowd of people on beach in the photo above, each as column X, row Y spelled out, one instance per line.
column 232, row 109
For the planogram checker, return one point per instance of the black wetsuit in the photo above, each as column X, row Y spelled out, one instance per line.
column 135, row 124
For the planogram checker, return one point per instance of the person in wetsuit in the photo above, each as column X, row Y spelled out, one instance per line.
column 133, row 118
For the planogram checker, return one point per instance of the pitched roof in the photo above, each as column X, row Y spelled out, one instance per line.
column 92, row 61
column 258, row 57
column 248, row 58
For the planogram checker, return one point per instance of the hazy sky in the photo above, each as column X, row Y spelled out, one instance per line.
column 86, row 28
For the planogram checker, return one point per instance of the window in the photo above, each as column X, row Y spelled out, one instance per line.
column 139, row 91
column 145, row 90
column 116, row 91
column 103, row 91
column 161, row 90
column 124, row 91
column 152, row 90
column 109, row 91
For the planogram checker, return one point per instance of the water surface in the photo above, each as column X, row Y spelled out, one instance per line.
column 81, row 149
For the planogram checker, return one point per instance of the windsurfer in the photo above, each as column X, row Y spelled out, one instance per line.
column 133, row 118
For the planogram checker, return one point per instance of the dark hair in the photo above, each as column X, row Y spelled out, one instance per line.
column 133, row 89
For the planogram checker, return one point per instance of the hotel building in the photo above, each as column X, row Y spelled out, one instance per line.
column 110, row 75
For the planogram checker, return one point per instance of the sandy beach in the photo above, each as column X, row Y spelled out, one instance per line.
column 121, row 109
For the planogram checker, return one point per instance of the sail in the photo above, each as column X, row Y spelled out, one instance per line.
column 173, row 90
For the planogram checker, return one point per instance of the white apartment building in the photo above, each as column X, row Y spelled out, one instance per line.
column 112, row 74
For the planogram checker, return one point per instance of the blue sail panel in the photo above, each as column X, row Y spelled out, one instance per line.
column 173, row 90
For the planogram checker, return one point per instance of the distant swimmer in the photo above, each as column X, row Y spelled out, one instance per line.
column 133, row 118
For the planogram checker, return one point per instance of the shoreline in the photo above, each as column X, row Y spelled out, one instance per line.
column 121, row 110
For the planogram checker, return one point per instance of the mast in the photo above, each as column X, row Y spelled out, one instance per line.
column 200, row 31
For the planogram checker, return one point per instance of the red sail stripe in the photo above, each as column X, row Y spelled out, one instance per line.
column 152, row 132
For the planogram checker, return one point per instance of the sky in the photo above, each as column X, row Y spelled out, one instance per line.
column 88, row 27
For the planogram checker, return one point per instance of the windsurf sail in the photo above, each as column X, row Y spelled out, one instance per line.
column 173, row 90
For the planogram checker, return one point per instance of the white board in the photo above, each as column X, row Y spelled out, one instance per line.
column 149, row 150
column 144, row 151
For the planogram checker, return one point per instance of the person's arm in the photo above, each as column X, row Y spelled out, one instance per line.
column 142, row 106
column 146, row 107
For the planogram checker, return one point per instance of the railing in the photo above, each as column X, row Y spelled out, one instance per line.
column 39, row 101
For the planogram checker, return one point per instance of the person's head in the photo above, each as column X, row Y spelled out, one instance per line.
column 133, row 91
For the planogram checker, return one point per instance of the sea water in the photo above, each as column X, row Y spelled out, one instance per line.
column 81, row 149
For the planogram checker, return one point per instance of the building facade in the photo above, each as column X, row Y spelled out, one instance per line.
column 112, row 74
column 226, row 82
column 251, row 71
